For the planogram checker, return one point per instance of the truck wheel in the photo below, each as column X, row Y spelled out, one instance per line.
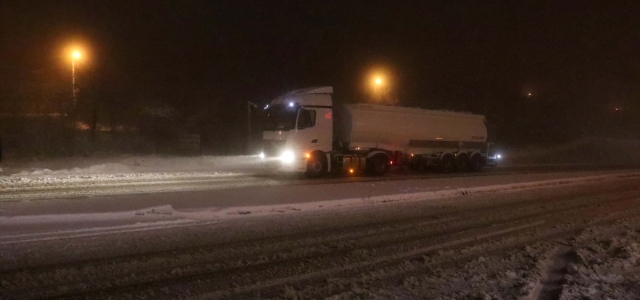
column 447, row 163
column 476, row 163
column 462, row 162
column 377, row 165
column 316, row 165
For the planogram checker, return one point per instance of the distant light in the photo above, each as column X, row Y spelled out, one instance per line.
column 266, row 106
column 76, row 55
column 307, row 155
column 498, row 156
column 351, row 171
column 391, row 162
column 261, row 155
column 378, row 81
column 290, row 104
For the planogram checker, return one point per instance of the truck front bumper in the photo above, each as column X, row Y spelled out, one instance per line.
column 297, row 165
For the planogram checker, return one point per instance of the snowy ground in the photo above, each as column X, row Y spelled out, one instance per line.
column 556, row 238
column 153, row 174
column 127, row 164
column 125, row 175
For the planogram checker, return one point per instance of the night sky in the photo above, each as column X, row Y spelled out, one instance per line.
column 579, row 59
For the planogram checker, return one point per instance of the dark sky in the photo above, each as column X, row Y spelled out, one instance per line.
column 579, row 58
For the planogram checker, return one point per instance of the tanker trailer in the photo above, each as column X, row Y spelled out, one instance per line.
column 306, row 131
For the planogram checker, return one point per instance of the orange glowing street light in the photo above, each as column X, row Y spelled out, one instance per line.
column 378, row 86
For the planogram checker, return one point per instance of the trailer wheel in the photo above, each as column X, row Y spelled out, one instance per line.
column 377, row 165
column 316, row 165
column 447, row 163
column 476, row 163
column 462, row 162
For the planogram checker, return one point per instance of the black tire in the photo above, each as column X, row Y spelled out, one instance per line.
column 462, row 162
column 378, row 165
column 316, row 165
column 447, row 164
column 476, row 163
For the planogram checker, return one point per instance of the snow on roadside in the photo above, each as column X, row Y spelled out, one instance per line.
column 135, row 164
column 131, row 170
column 18, row 182
column 605, row 264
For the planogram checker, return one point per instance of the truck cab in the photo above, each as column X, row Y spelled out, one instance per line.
column 298, row 130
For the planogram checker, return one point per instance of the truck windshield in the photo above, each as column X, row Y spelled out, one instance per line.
column 279, row 117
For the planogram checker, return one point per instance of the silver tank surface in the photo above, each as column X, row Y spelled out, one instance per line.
column 406, row 129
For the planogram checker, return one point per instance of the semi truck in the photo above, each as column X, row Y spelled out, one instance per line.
column 307, row 131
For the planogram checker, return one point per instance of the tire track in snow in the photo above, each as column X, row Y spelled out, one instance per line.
column 384, row 259
column 549, row 287
column 626, row 209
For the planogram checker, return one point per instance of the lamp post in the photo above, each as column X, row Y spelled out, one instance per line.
column 76, row 55
column 249, row 105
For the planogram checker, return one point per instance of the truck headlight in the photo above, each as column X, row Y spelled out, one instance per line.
column 287, row 157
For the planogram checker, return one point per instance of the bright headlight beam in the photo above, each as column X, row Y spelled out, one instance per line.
column 287, row 157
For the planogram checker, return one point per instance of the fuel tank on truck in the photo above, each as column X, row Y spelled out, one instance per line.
column 405, row 129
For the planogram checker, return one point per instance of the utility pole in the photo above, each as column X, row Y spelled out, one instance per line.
column 249, row 105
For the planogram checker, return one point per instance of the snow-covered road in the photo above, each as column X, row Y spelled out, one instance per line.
column 533, row 236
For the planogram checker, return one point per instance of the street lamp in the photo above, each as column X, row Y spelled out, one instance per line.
column 75, row 55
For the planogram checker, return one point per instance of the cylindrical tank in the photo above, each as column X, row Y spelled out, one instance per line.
column 401, row 128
